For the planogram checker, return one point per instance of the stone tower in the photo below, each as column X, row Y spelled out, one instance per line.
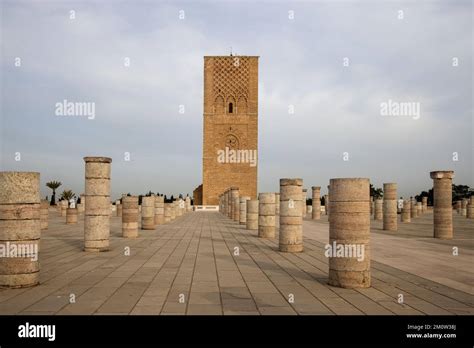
column 230, row 127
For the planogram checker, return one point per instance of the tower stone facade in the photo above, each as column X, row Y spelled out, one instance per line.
column 230, row 144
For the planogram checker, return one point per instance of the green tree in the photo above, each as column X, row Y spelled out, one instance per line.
column 53, row 185
column 376, row 193
column 67, row 195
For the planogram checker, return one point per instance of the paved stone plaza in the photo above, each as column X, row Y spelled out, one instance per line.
column 188, row 266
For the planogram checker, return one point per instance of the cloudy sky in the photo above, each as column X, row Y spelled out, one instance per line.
column 417, row 52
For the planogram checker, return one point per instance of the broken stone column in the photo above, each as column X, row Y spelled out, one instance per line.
column 266, row 215
column 97, row 205
column 413, row 211
column 236, row 209
column 419, row 208
column 326, row 204
column 159, row 210
column 71, row 216
column 442, row 204
column 470, row 209
column 277, row 203
column 148, row 213
column 119, row 209
column 390, row 207
column 303, row 202
column 291, row 215
column 378, row 209
column 424, row 201
column 234, row 193
column 464, row 207
column 20, row 228
column 81, row 206
column 243, row 210
column 316, row 193
column 372, row 205
column 64, row 206
column 252, row 214
column 228, row 204
column 349, row 232
column 406, row 211
column 130, row 217
column 187, row 201
column 44, row 214
column 180, row 207
column 173, row 210
column 167, row 212
column 457, row 206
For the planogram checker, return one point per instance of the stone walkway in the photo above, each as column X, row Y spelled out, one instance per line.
column 191, row 266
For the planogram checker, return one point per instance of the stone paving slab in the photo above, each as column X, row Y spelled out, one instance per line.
column 204, row 263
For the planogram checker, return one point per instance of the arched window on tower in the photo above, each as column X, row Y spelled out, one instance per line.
column 231, row 108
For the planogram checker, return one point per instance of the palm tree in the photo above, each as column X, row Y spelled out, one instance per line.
column 67, row 195
column 53, row 185
column 376, row 192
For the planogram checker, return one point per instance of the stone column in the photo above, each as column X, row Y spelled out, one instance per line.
column 378, row 209
column 458, row 205
column 234, row 193
column 252, row 214
column 291, row 218
column 464, row 207
column 159, row 210
column 229, row 204
column 64, row 206
column 266, row 215
column 180, row 207
column 80, row 207
column 148, row 213
column 71, row 216
column 20, row 227
column 424, row 201
column 187, row 201
column 326, row 204
column 303, row 202
column 316, row 193
column 119, row 209
column 419, row 208
column 97, row 208
column 413, row 211
column 167, row 212
column 243, row 210
column 277, row 203
column 130, row 217
column 390, row 207
column 44, row 214
column 173, row 210
column 372, row 205
column 236, row 210
column 470, row 209
column 442, row 205
column 349, row 227
column 406, row 211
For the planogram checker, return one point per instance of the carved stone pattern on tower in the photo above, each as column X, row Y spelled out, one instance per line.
column 236, row 134
column 231, row 78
